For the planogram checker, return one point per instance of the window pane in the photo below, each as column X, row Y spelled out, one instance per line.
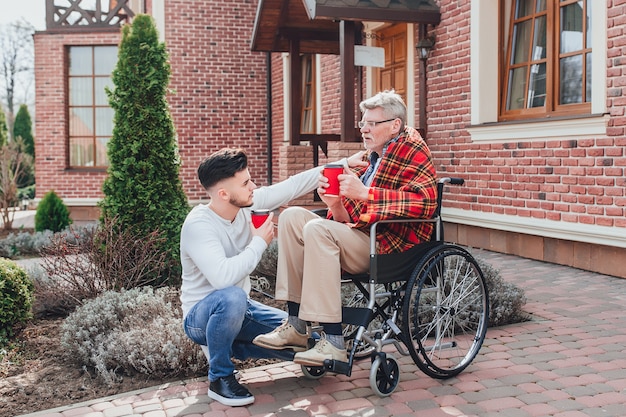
column 517, row 87
column 539, row 41
column 81, row 152
column 80, row 60
column 524, row 8
column 589, row 31
column 588, row 79
column 81, row 121
column 104, row 121
column 81, row 91
column 105, row 59
column 101, row 152
column 101, row 97
column 571, row 79
column 571, row 28
column 541, row 5
column 521, row 42
column 537, row 89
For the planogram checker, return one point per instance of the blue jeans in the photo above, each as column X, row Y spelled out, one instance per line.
column 227, row 321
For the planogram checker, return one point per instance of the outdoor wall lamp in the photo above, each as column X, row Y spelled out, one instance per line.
column 423, row 47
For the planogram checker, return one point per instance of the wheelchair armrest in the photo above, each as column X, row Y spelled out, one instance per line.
column 375, row 225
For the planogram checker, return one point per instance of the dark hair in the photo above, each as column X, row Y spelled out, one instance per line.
column 223, row 164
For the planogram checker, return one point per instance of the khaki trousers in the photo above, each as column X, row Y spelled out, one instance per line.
column 312, row 252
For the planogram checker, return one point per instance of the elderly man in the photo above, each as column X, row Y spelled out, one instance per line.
column 400, row 182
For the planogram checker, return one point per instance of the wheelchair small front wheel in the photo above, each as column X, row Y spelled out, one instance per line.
column 313, row 372
column 384, row 375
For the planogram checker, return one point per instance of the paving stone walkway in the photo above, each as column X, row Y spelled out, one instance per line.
column 568, row 361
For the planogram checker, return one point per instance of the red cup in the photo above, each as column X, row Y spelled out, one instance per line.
column 258, row 217
column 331, row 171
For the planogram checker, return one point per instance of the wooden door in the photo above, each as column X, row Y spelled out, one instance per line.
column 394, row 74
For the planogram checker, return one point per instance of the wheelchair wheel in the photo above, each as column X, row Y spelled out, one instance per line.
column 445, row 311
column 384, row 375
column 313, row 372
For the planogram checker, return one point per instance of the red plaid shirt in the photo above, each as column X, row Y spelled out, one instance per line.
column 405, row 186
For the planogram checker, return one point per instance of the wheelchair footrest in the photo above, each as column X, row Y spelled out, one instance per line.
column 338, row 367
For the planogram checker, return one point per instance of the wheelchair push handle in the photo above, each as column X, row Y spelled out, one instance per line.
column 452, row 181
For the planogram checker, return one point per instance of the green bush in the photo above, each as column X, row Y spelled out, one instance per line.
column 52, row 214
column 26, row 193
column 16, row 298
column 131, row 332
column 143, row 189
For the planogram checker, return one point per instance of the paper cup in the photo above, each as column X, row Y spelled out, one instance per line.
column 331, row 171
column 258, row 217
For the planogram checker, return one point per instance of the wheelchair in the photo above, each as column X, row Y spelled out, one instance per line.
column 430, row 302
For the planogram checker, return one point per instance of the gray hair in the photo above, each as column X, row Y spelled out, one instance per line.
column 388, row 100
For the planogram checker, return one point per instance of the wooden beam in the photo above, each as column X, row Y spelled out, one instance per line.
column 295, row 98
column 346, row 48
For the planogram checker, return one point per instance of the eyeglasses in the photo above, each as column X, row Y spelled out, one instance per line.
column 371, row 124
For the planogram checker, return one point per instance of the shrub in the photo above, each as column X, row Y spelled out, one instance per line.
column 143, row 188
column 267, row 264
column 506, row 300
column 130, row 332
column 26, row 243
column 106, row 258
column 52, row 213
column 26, row 193
column 16, row 296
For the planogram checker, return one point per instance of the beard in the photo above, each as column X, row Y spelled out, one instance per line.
column 240, row 203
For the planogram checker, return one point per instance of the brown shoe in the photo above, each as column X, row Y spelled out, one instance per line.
column 284, row 336
column 322, row 350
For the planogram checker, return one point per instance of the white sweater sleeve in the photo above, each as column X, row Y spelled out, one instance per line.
column 276, row 195
column 205, row 245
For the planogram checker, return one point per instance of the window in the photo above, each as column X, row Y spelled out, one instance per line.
column 307, row 124
column 547, row 70
column 90, row 117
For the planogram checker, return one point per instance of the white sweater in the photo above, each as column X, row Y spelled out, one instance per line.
column 216, row 253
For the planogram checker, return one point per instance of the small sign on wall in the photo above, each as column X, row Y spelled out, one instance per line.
column 369, row 56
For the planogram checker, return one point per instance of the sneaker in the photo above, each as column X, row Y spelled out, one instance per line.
column 284, row 336
column 229, row 392
column 322, row 350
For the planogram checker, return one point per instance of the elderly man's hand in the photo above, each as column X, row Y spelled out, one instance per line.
column 351, row 186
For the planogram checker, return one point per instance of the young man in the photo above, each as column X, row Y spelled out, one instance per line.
column 400, row 182
column 219, row 248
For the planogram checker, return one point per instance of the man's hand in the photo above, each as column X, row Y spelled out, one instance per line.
column 351, row 186
column 266, row 230
column 356, row 160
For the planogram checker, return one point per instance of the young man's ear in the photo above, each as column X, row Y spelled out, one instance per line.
column 222, row 194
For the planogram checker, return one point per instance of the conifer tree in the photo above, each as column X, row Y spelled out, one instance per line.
column 23, row 127
column 143, row 190
column 3, row 128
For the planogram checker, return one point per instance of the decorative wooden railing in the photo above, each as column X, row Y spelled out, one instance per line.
column 90, row 15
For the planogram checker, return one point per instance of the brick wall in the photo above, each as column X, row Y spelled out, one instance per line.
column 219, row 84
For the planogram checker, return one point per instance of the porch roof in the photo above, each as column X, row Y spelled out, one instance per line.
column 315, row 23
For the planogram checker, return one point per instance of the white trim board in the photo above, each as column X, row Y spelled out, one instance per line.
column 601, row 235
